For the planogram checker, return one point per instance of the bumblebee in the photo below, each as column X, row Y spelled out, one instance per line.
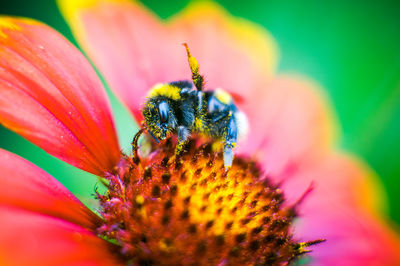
column 183, row 108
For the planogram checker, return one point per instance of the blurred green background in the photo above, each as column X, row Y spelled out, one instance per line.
column 352, row 48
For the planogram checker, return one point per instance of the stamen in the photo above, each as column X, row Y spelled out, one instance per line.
column 135, row 145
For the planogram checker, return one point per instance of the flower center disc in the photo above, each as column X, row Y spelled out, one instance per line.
column 165, row 210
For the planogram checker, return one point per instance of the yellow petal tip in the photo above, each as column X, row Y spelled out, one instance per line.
column 69, row 7
column 8, row 23
column 248, row 35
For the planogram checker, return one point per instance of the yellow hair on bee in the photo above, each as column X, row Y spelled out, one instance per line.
column 198, row 123
column 167, row 90
column 223, row 96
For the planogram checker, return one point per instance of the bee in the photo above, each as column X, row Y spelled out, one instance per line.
column 184, row 107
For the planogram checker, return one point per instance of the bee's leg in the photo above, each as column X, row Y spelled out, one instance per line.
column 218, row 116
column 230, row 141
column 198, row 80
column 183, row 134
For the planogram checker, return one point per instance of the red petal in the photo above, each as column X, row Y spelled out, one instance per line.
column 50, row 94
column 134, row 50
column 28, row 238
column 26, row 186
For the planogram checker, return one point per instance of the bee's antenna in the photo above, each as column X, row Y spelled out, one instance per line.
column 135, row 145
column 198, row 79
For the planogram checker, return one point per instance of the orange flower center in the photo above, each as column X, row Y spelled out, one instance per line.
column 164, row 210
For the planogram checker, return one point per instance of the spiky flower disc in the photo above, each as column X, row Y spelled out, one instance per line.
column 164, row 210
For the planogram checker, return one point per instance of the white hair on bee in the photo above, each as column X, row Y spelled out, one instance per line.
column 242, row 124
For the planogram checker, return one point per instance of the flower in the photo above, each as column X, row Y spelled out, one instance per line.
column 50, row 95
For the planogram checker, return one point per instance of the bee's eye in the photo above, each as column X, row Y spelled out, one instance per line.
column 163, row 109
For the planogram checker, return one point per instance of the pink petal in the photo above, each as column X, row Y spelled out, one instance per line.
column 127, row 44
column 234, row 54
column 28, row 238
column 290, row 125
column 26, row 186
column 339, row 211
column 134, row 50
column 353, row 238
column 50, row 94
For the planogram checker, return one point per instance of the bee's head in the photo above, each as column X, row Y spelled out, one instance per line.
column 159, row 117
